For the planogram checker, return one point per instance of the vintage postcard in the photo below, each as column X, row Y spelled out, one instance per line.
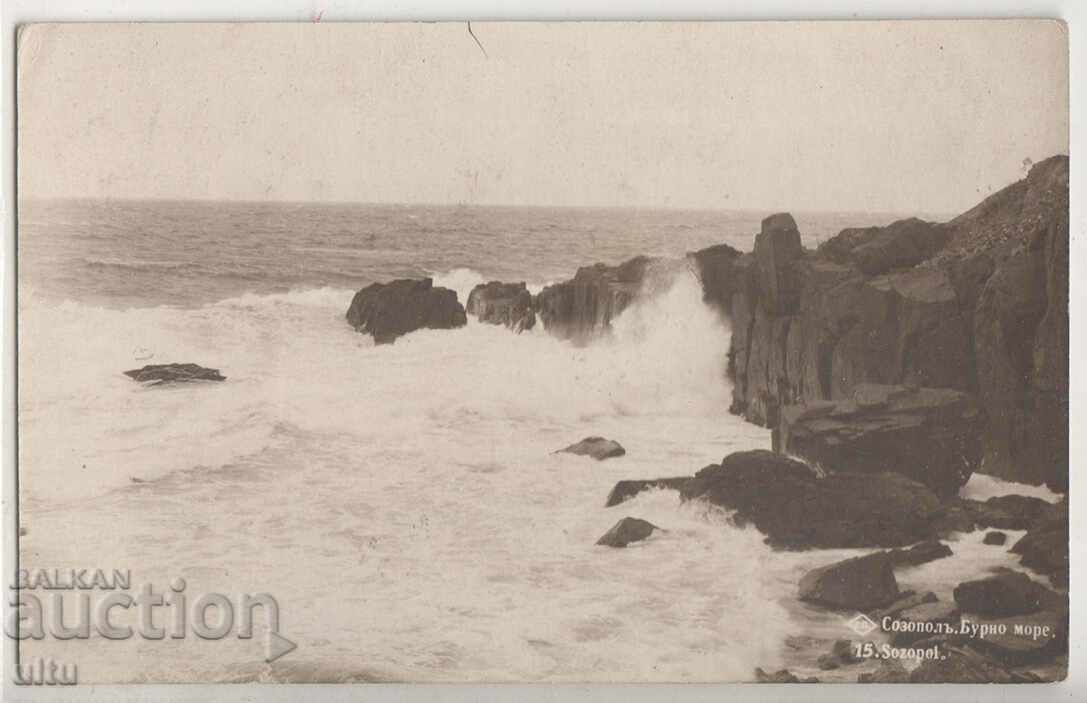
column 542, row 352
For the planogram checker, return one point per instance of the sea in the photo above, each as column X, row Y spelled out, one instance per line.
column 403, row 504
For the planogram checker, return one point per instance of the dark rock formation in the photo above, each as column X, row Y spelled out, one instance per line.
column 389, row 310
column 878, row 250
column 927, row 434
column 978, row 304
column 158, row 374
column 1006, row 594
column 797, row 509
column 1045, row 546
column 919, row 553
column 627, row 530
column 1011, row 512
column 584, row 306
column 860, row 583
column 596, row 447
column 717, row 270
column 624, row 490
column 781, row 676
column 498, row 303
column 995, row 538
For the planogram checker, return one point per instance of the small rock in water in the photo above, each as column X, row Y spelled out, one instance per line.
column 624, row 490
column 627, row 530
column 596, row 447
column 157, row 374
column 920, row 553
column 997, row 538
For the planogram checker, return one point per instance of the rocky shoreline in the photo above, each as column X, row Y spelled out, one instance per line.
column 891, row 363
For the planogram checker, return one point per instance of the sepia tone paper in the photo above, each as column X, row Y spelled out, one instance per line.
column 542, row 352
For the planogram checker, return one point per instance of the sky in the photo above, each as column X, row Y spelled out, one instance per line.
column 867, row 116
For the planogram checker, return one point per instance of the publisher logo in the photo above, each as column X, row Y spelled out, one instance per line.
column 862, row 624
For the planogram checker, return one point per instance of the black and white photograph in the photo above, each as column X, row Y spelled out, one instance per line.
column 542, row 352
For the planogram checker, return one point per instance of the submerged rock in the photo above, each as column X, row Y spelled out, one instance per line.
column 927, row 434
column 498, row 303
column 596, row 447
column 1006, row 594
column 625, row 490
column 995, row 538
column 389, row 310
column 797, row 509
column 627, row 530
column 157, row 374
column 860, row 583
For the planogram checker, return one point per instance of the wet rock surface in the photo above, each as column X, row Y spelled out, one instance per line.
column 158, row 374
column 596, row 447
column 390, row 310
column 626, row 531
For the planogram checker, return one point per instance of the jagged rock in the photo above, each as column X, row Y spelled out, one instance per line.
column 979, row 304
column 877, row 250
column 995, row 538
column 625, row 490
column 776, row 250
column 860, row 583
column 627, row 530
column 927, row 434
column 919, row 553
column 717, row 272
column 797, row 509
column 389, row 310
column 1005, row 594
column 158, row 374
column 498, row 303
column 585, row 305
column 596, row 447
column 781, row 676
column 960, row 665
column 1045, row 546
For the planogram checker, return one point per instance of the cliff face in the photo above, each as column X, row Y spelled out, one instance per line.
column 978, row 304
